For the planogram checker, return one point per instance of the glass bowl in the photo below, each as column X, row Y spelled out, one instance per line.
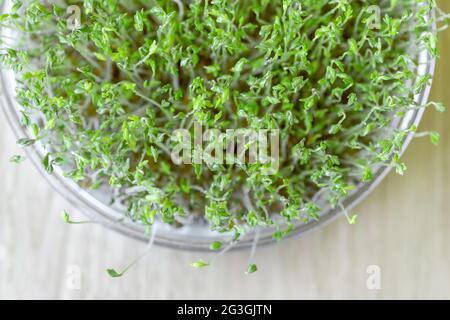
column 193, row 236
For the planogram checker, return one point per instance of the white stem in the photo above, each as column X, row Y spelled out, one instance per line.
column 254, row 245
column 180, row 8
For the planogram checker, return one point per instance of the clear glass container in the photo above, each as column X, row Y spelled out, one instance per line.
column 194, row 235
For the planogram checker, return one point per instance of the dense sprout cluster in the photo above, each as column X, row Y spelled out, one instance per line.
column 326, row 73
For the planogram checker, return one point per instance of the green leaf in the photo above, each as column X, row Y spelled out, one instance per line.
column 252, row 268
column 435, row 138
column 17, row 159
column 66, row 216
column 47, row 162
column 113, row 273
column 139, row 21
column 216, row 245
column 278, row 235
column 367, row 175
column 200, row 264
column 26, row 142
column 352, row 219
column 439, row 107
column 67, row 219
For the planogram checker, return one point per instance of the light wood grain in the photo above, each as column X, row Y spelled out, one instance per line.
column 404, row 228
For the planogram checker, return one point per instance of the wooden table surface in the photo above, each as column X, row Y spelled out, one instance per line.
column 402, row 239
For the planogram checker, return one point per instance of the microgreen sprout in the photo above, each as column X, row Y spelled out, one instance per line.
column 217, row 245
column 67, row 219
column 200, row 264
column 352, row 219
column 17, row 159
column 434, row 136
column 115, row 274
column 252, row 268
